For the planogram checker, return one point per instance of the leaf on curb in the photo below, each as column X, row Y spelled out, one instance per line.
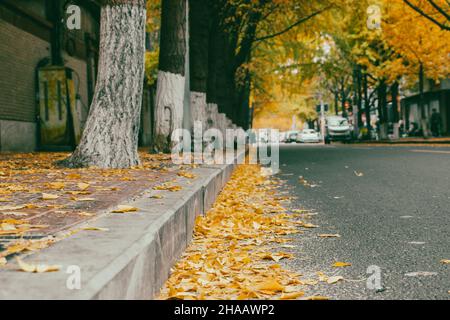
column 125, row 209
column 90, row 228
column 341, row 264
column 36, row 268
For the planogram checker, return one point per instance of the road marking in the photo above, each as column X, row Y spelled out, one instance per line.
column 431, row 151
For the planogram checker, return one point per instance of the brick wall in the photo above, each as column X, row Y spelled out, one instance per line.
column 19, row 54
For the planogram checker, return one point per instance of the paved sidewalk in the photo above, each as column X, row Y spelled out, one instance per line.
column 413, row 140
column 38, row 199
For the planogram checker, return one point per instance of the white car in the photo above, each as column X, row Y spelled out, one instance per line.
column 309, row 136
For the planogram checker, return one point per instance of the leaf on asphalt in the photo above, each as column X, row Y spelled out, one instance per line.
column 277, row 256
column 359, row 174
column 292, row 296
column 341, row 264
column 3, row 261
column 445, row 261
column 335, row 279
column 48, row 196
column 329, row 235
column 36, row 268
column 316, row 298
column 270, row 285
column 125, row 209
column 421, row 274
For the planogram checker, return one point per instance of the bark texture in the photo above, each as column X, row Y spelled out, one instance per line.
column 110, row 138
column 171, row 77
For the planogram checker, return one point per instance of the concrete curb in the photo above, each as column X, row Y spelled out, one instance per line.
column 131, row 260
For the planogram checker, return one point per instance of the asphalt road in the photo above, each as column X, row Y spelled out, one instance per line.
column 395, row 216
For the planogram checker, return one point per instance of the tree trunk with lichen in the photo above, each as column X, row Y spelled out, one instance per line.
column 171, row 76
column 110, row 137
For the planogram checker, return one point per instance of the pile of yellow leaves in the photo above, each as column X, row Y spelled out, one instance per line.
column 232, row 255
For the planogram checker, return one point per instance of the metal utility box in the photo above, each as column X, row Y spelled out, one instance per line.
column 59, row 122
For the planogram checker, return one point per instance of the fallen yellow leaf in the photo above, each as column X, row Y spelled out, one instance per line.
column 83, row 186
column 445, row 261
column 341, row 264
column 333, row 280
column 125, row 209
column 47, row 196
column 94, row 229
column 292, row 296
column 329, row 236
column 36, row 268
column 270, row 285
column 3, row 261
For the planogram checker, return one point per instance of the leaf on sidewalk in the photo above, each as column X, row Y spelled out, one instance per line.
column 157, row 196
column 125, row 209
column 341, row 264
column 3, row 261
column 36, row 268
column 11, row 208
column 83, row 186
column 48, row 196
column 167, row 187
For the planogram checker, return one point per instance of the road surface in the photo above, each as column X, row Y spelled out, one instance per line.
column 391, row 206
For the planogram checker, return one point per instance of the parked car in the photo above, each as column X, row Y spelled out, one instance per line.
column 292, row 136
column 309, row 136
column 338, row 129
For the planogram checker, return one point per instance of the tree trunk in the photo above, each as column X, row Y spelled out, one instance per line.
column 367, row 101
column 336, row 102
column 382, row 109
column 199, row 57
column 171, row 75
column 110, row 138
column 425, row 130
column 395, row 94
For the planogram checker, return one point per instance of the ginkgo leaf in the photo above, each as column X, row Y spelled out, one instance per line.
column 36, row 268
column 445, row 261
column 11, row 208
column 90, row 228
column 125, row 209
column 329, row 236
column 292, row 296
column 83, row 186
column 270, row 285
column 335, row 279
column 48, row 196
column 359, row 174
column 3, row 261
column 341, row 264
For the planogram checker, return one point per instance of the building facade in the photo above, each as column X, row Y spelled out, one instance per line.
column 436, row 97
